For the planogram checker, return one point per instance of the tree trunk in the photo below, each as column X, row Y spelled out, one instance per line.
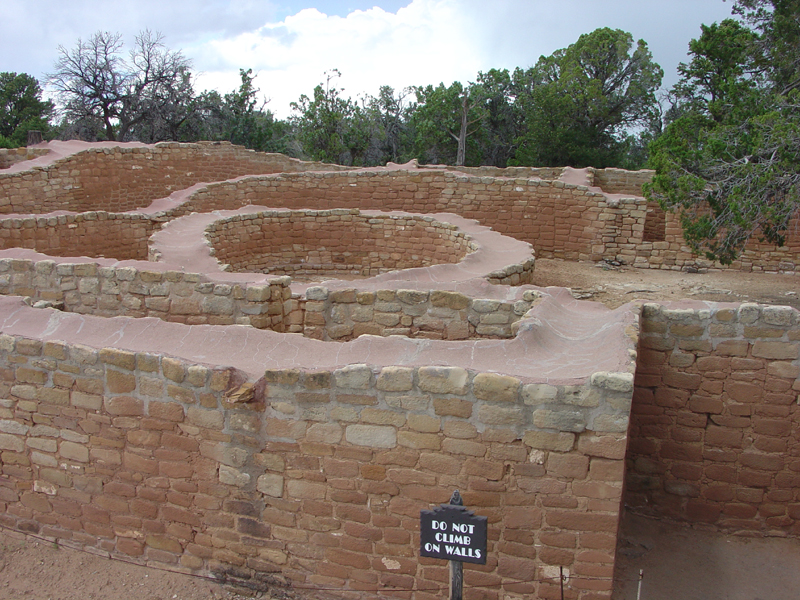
column 461, row 156
column 34, row 137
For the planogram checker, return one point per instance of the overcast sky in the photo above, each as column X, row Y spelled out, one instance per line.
column 290, row 44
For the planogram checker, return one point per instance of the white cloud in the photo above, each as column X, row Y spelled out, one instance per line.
column 432, row 41
column 422, row 43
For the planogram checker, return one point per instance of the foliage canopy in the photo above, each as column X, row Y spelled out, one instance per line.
column 21, row 109
column 728, row 160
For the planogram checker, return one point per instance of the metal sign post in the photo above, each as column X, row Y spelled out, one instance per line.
column 456, row 567
column 453, row 533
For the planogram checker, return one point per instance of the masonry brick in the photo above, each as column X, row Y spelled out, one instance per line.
column 443, row 380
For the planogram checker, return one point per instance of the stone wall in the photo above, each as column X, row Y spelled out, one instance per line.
column 333, row 243
column 317, row 479
column 559, row 220
column 123, row 178
column 620, row 181
column 663, row 247
column 549, row 173
column 111, row 291
column 714, row 434
column 93, row 234
column 12, row 156
column 438, row 315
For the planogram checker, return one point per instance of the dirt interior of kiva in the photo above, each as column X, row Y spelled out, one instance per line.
column 676, row 561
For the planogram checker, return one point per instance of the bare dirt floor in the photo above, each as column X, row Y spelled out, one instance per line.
column 617, row 285
column 678, row 562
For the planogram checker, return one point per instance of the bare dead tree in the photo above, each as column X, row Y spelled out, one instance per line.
column 96, row 84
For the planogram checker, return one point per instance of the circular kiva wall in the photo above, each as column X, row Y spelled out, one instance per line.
column 334, row 243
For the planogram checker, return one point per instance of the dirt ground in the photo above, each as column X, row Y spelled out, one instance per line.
column 681, row 563
column 33, row 569
column 618, row 285
column 678, row 562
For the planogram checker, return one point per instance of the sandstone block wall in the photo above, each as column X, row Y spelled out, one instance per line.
column 124, row 178
column 715, row 433
column 663, row 247
column 559, row 220
column 333, row 243
column 439, row 315
column 12, row 156
column 620, row 181
column 175, row 296
column 549, row 173
column 95, row 234
column 317, row 480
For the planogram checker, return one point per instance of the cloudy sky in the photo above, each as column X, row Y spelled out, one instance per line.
column 290, row 44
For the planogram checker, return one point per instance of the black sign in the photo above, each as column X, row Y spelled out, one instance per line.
column 452, row 533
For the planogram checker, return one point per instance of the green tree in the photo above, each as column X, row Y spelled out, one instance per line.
column 777, row 49
column 21, row 109
column 501, row 119
column 389, row 113
column 331, row 128
column 443, row 122
column 722, row 76
column 246, row 123
column 580, row 103
column 728, row 163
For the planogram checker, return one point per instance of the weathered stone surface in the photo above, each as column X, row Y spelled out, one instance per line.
column 545, row 440
column 73, row 451
column 11, row 442
column 419, row 441
column 173, row 369
column 230, row 476
column 562, row 420
column 317, row 293
column 776, row 350
column 119, row 358
column 326, row 433
column 501, row 415
column 353, row 377
column 412, row 296
column 270, row 484
column 610, row 423
column 618, row 382
column 538, row 393
column 452, row 300
column 395, row 379
column 374, row 436
column 496, row 388
column 7, row 426
column 124, row 406
column 443, row 380
column 424, row 423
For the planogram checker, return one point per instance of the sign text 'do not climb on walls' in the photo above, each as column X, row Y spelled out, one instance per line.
column 452, row 532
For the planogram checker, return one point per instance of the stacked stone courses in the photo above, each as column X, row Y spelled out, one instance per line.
column 330, row 243
column 714, row 435
column 345, row 314
column 125, row 177
column 603, row 217
column 146, row 456
column 170, row 395
column 12, row 156
column 94, row 234
column 175, row 296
